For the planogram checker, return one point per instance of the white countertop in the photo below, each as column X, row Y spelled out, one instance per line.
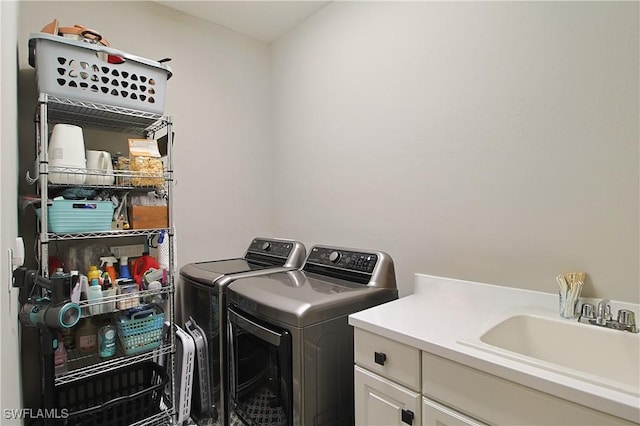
column 442, row 312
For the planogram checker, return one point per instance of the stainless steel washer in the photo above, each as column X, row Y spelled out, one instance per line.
column 203, row 312
column 290, row 345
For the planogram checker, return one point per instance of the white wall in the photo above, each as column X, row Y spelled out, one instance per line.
column 490, row 141
column 219, row 100
column 10, row 387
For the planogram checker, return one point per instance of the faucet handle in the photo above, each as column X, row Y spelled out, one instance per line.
column 587, row 311
column 626, row 317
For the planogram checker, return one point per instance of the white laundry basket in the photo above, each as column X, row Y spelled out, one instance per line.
column 95, row 73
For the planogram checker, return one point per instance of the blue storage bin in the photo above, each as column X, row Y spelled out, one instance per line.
column 142, row 332
column 79, row 216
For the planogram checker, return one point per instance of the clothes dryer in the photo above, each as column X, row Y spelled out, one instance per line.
column 203, row 312
column 290, row 344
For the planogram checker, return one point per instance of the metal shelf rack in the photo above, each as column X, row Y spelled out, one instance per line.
column 105, row 234
column 81, row 365
column 52, row 109
column 100, row 116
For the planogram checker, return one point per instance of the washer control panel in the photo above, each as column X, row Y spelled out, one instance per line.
column 271, row 247
column 343, row 259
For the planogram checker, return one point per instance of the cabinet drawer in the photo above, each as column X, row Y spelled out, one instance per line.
column 388, row 358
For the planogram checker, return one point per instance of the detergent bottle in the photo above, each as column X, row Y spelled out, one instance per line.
column 142, row 265
column 107, row 266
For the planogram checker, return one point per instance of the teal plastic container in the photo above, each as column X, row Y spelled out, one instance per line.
column 69, row 216
column 142, row 332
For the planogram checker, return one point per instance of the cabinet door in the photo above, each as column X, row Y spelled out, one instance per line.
column 434, row 414
column 380, row 402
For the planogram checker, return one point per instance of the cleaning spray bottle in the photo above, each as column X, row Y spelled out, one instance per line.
column 124, row 267
column 106, row 264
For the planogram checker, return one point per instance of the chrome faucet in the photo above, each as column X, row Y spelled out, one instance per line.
column 626, row 320
column 604, row 312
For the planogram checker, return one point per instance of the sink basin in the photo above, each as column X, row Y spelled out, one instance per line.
column 603, row 356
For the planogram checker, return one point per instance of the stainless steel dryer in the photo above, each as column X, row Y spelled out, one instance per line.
column 291, row 348
column 203, row 312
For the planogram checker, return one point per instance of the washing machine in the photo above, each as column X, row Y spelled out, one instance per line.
column 203, row 313
column 290, row 344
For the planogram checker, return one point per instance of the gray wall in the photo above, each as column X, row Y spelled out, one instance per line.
column 489, row 141
column 219, row 100
column 10, row 387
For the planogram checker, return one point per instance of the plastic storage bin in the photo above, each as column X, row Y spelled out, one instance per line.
column 79, row 216
column 114, row 398
column 142, row 332
column 91, row 72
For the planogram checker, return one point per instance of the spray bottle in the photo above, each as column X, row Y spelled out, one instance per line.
column 106, row 263
column 124, row 267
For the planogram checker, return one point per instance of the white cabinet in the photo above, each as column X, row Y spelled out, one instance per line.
column 380, row 402
column 397, row 384
column 387, row 381
column 435, row 414
column 499, row 401
column 388, row 386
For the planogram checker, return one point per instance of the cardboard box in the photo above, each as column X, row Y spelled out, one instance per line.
column 148, row 217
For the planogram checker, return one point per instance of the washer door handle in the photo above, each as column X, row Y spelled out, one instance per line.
column 380, row 358
column 258, row 330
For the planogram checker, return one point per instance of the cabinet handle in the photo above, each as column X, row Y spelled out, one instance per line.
column 379, row 357
column 407, row 416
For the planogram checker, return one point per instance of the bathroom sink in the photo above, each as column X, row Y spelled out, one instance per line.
column 596, row 354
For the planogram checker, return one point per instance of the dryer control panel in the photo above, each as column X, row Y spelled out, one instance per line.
column 369, row 267
column 342, row 258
